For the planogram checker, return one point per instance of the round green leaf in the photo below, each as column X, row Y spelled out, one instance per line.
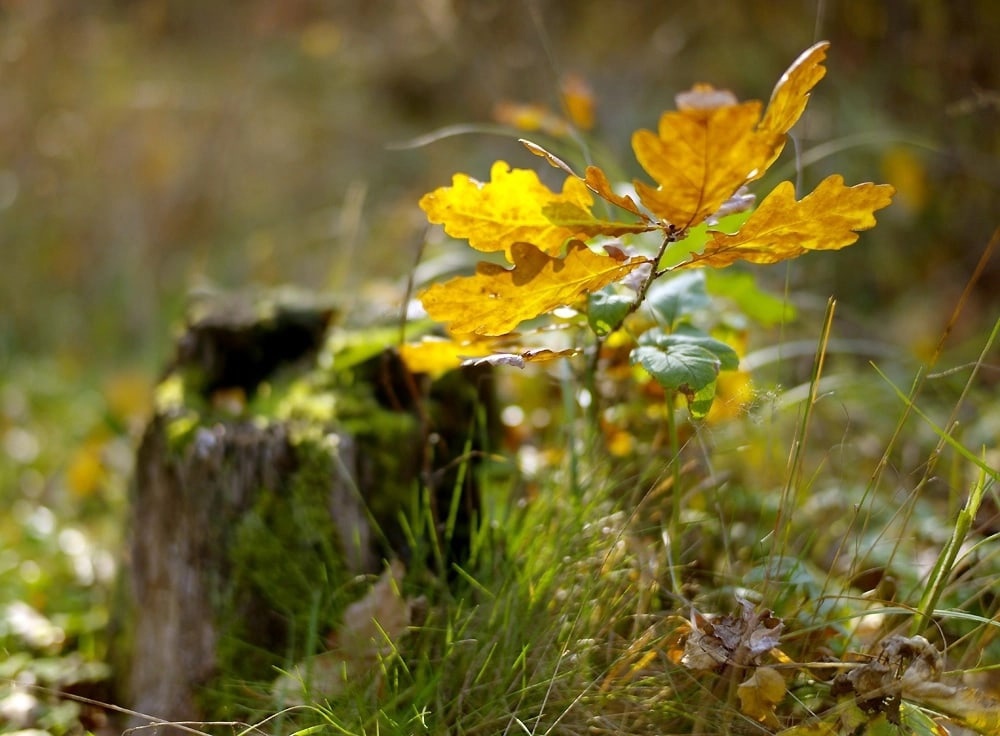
column 671, row 299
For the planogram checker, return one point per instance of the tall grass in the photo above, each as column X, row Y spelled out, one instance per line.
column 573, row 614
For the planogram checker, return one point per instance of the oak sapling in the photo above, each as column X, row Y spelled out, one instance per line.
column 564, row 253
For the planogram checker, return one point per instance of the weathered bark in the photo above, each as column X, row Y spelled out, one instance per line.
column 245, row 529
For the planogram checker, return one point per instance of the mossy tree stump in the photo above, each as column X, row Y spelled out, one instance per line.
column 266, row 483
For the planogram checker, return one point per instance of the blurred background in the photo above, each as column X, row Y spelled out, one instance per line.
column 149, row 147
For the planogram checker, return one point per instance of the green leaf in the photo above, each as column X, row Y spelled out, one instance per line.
column 606, row 309
column 729, row 358
column 700, row 402
column 741, row 289
column 672, row 299
column 687, row 362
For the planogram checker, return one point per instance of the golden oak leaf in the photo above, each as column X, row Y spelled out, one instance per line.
column 496, row 299
column 699, row 157
column 712, row 146
column 597, row 182
column 507, row 210
column 791, row 93
column 781, row 228
column 760, row 693
column 438, row 355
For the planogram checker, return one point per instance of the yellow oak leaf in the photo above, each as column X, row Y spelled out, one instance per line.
column 496, row 299
column 760, row 693
column 781, row 228
column 494, row 216
column 597, row 182
column 791, row 93
column 699, row 157
column 713, row 145
column 436, row 356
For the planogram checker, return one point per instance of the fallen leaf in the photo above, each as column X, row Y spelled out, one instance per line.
column 369, row 630
column 760, row 693
column 829, row 218
column 713, row 640
column 971, row 707
column 910, row 669
column 495, row 300
column 494, row 216
column 372, row 623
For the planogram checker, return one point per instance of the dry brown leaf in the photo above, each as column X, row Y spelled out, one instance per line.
column 370, row 628
column 715, row 640
column 910, row 668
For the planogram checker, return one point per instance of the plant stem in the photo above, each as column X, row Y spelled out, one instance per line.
column 671, row 236
column 946, row 559
column 675, row 462
column 792, row 491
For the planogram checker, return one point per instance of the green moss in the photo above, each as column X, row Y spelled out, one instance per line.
column 287, row 585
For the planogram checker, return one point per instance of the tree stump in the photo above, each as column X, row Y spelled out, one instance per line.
column 266, row 483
